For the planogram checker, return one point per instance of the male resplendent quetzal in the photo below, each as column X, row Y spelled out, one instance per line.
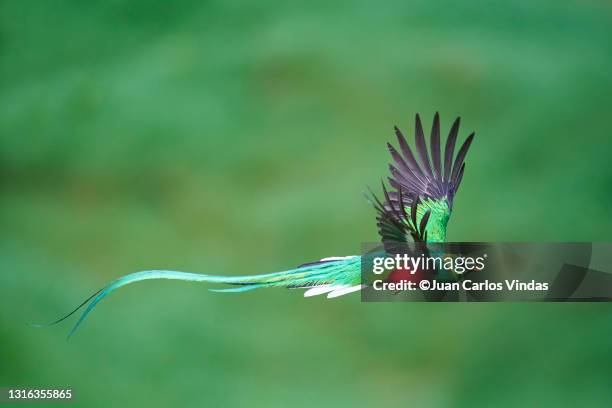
column 416, row 209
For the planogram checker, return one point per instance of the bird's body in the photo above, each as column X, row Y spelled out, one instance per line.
column 438, row 220
column 416, row 210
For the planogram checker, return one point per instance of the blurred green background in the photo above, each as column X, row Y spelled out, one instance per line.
column 237, row 137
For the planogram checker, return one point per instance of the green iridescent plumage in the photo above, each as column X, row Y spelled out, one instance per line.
column 438, row 220
column 417, row 209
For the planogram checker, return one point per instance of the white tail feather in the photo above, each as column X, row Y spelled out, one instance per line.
column 343, row 290
column 319, row 290
column 337, row 258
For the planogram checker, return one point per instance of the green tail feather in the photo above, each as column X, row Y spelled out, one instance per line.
column 342, row 272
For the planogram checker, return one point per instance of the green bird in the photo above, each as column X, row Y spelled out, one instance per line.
column 416, row 209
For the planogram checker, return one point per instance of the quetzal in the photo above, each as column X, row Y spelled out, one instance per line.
column 416, row 208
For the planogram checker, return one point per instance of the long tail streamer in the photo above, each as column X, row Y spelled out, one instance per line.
column 326, row 272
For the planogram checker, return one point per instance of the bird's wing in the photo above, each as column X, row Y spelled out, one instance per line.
column 395, row 224
column 432, row 178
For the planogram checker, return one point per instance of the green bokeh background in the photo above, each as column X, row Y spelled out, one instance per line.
column 237, row 137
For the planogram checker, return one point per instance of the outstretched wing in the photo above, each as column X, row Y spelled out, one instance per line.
column 433, row 178
column 428, row 177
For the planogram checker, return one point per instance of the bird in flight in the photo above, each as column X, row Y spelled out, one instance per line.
column 416, row 208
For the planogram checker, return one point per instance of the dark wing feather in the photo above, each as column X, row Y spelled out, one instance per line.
column 413, row 212
column 424, row 221
column 435, row 146
column 461, row 157
column 449, row 150
column 419, row 139
column 460, row 175
column 412, row 163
